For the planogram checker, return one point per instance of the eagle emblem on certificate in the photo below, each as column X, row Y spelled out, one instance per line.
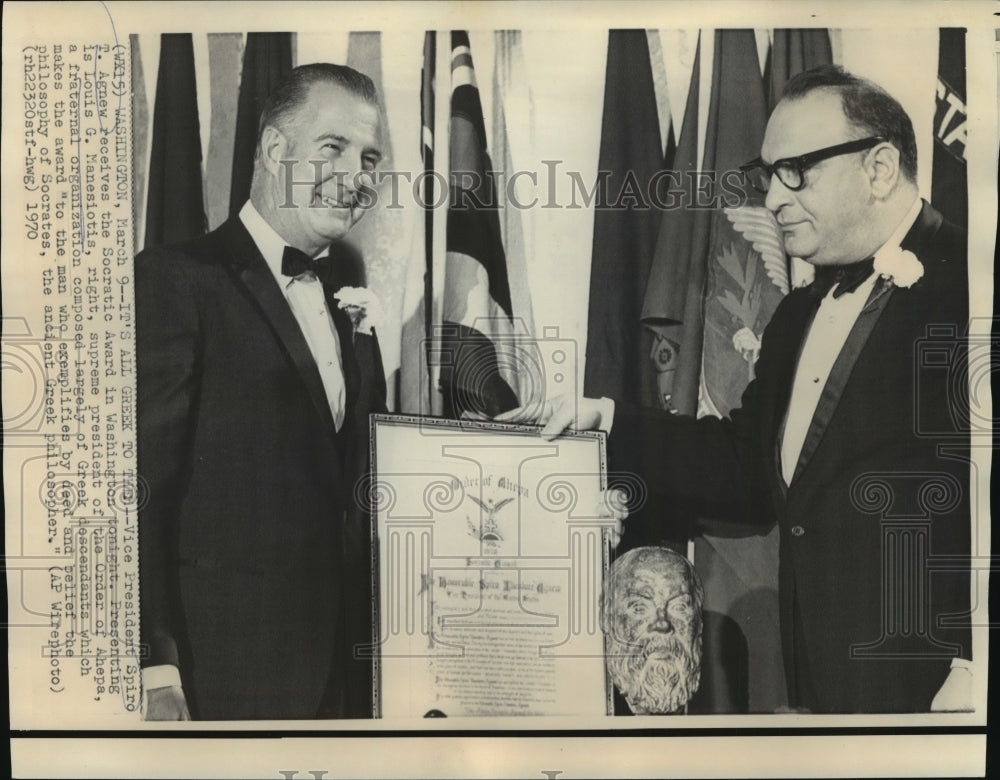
column 487, row 530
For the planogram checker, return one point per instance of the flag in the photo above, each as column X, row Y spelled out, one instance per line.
column 427, row 142
column 523, row 371
column 949, row 190
column 267, row 59
column 673, row 296
column 740, row 295
column 625, row 226
column 225, row 61
column 382, row 236
column 140, row 141
column 791, row 52
column 175, row 210
column 477, row 314
column 417, row 378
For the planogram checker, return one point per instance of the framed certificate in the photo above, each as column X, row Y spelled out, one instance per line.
column 489, row 562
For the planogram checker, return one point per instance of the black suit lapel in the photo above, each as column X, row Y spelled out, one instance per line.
column 927, row 225
column 252, row 272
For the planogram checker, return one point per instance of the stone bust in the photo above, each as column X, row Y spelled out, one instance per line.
column 651, row 616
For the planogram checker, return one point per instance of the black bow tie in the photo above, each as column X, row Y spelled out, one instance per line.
column 842, row 278
column 295, row 262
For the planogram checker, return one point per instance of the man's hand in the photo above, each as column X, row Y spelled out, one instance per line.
column 166, row 704
column 558, row 414
column 956, row 693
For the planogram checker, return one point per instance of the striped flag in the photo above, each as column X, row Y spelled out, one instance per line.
column 477, row 315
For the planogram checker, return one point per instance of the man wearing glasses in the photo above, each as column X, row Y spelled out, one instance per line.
column 831, row 440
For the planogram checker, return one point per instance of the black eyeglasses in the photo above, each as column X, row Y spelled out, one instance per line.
column 791, row 170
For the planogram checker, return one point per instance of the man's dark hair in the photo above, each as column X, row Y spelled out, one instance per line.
column 292, row 91
column 866, row 105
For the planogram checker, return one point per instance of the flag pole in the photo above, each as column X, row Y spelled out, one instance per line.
column 427, row 152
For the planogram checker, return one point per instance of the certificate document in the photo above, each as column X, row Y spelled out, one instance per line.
column 490, row 558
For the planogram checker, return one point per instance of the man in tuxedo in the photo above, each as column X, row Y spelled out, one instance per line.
column 254, row 391
column 833, row 438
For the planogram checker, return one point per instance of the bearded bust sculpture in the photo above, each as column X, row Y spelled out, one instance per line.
column 651, row 617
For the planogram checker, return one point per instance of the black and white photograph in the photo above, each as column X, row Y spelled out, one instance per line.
column 427, row 375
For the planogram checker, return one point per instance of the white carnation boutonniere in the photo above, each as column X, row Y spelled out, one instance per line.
column 899, row 266
column 361, row 306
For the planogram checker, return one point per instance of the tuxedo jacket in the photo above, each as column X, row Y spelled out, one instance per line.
column 254, row 551
column 873, row 585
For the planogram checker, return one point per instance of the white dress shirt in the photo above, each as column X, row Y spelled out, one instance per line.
column 305, row 297
column 824, row 342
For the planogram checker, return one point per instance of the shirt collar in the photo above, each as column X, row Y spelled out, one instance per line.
column 271, row 245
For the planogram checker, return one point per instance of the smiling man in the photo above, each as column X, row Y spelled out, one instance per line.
column 254, row 390
column 843, row 437
column 315, row 163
